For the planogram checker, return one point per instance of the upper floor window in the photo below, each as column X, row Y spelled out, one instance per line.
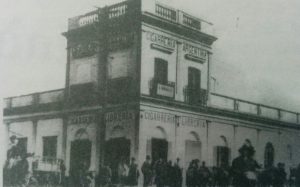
column 50, row 146
column 161, row 71
column 118, row 63
column 194, row 79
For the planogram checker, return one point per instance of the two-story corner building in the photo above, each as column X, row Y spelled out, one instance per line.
column 137, row 84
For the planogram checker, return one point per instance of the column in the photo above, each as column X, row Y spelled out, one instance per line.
column 34, row 135
column 234, row 145
column 208, row 158
column 257, row 147
column 64, row 138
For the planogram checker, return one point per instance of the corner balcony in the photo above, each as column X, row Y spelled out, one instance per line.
column 194, row 96
column 162, row 90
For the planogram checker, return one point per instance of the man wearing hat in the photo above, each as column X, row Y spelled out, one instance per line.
column 147, row 172
column 12, row 157
column 133, row 173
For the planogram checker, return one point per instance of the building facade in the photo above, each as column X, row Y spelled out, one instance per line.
column 137, row 84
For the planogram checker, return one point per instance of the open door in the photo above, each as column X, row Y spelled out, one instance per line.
column 116, row 150
column 159, row 149
column 80, row 157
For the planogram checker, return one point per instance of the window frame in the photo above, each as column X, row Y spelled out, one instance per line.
column 49, row 147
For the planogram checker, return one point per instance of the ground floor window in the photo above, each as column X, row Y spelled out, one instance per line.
column 222, row 156
column 269, row 155
column 50, row 146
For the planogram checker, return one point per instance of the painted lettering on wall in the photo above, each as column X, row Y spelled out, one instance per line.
column 119, row 116
column 157, row 116
column 194, row 51
column 161, row 40
column 82, row 119
column 174, row 119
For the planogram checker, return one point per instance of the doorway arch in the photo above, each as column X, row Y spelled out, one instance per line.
column 269, row 155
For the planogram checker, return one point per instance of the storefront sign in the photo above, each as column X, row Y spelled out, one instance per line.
column 83, row 119
column 194, row 53
column 173, row 119
column 158, row 116
column 191, row 122
column 119, row 116
column 165, row 90
column 161, row 42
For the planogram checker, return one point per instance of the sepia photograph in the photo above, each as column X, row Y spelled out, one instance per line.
column 150, row 93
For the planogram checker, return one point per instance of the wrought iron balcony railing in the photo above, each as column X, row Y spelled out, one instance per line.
column 194, row 96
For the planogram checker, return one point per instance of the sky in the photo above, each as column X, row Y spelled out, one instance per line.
column 256, row 56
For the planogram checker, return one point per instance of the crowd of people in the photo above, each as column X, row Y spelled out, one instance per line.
column 162, row 173
column 244, row 172
column 126, row 175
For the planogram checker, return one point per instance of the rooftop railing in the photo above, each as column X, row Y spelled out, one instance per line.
column 53, row 96
column 166, row 13
column 183, row 19
column 117, row 10
column 110, row 12
column 121, row 9
column 246, row 107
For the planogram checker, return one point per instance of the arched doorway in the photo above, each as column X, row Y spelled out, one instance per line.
column 192, row 148
column 221, row 152
column 159, row 145
column 117, row 150
column 269, row 155
column 80, row 155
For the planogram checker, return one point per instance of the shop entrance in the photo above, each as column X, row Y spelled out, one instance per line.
column 159, row 149
column 192, row 151
column 80, row 157
column 116, row 150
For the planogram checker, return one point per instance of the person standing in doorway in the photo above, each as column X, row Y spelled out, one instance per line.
column 123, row 171
column 133, row 174
column 104, row 176
column 204, row 175
column 280, row 176
column 147, row 172
column 177, row 174
column 62, row 168
column 160, row 172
